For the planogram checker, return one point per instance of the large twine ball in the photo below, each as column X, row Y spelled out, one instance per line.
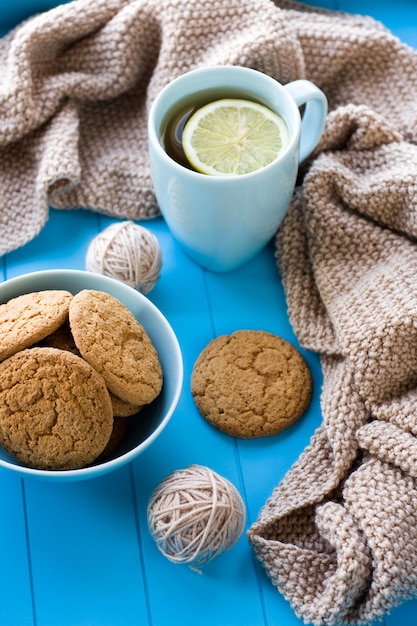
column 195, row 515
column 127, row 252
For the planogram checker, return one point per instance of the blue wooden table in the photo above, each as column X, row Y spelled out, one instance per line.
column 80, row 554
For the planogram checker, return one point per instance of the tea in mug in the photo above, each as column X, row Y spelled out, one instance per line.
column 222, row 133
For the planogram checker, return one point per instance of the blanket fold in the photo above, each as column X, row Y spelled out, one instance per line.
column 348, row 256
column 338, row 536
column 101, row 64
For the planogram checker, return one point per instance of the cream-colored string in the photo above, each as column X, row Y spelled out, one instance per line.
column 194, row 515
column 127, row 252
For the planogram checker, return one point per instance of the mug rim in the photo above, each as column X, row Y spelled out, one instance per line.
column 153, row 130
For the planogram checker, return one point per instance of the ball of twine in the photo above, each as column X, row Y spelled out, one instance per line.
column 194, row 515
column 128, row 252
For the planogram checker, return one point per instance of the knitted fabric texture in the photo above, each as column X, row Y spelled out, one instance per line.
column 338, row 536
column 76, row 86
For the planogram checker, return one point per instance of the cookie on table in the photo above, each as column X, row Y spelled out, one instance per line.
column 55, row 410
column 251, row 384
column 29, row 318
column 111, row 339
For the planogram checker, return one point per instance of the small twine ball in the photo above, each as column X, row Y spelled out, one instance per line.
column 128, row 252
column 195, row 515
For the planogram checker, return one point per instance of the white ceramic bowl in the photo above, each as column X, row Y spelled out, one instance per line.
column 152, row 419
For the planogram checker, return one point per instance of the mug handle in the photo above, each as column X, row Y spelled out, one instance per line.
column 313, row 120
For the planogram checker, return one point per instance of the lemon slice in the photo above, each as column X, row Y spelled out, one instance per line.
column 233, row 136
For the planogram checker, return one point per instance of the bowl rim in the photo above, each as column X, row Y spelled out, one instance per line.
column 95, row 471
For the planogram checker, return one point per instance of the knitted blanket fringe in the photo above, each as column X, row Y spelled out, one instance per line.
column 338, row 536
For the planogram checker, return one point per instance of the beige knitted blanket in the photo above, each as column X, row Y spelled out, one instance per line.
column 338, row 536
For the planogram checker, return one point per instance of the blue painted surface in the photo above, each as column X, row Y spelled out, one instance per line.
column 81, row 554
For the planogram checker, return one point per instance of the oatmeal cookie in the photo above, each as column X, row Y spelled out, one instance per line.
column 27, row 319
column 55, row 410
column 111, row 339
column 251, row 384
column 121, row 408
column 61, row 338
column 117, row 437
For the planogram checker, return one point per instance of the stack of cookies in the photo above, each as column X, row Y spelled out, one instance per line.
column 72, row 370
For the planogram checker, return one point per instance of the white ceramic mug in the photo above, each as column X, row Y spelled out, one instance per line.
column 223, row 221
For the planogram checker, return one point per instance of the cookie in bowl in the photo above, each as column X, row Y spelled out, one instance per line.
column 66, row 411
